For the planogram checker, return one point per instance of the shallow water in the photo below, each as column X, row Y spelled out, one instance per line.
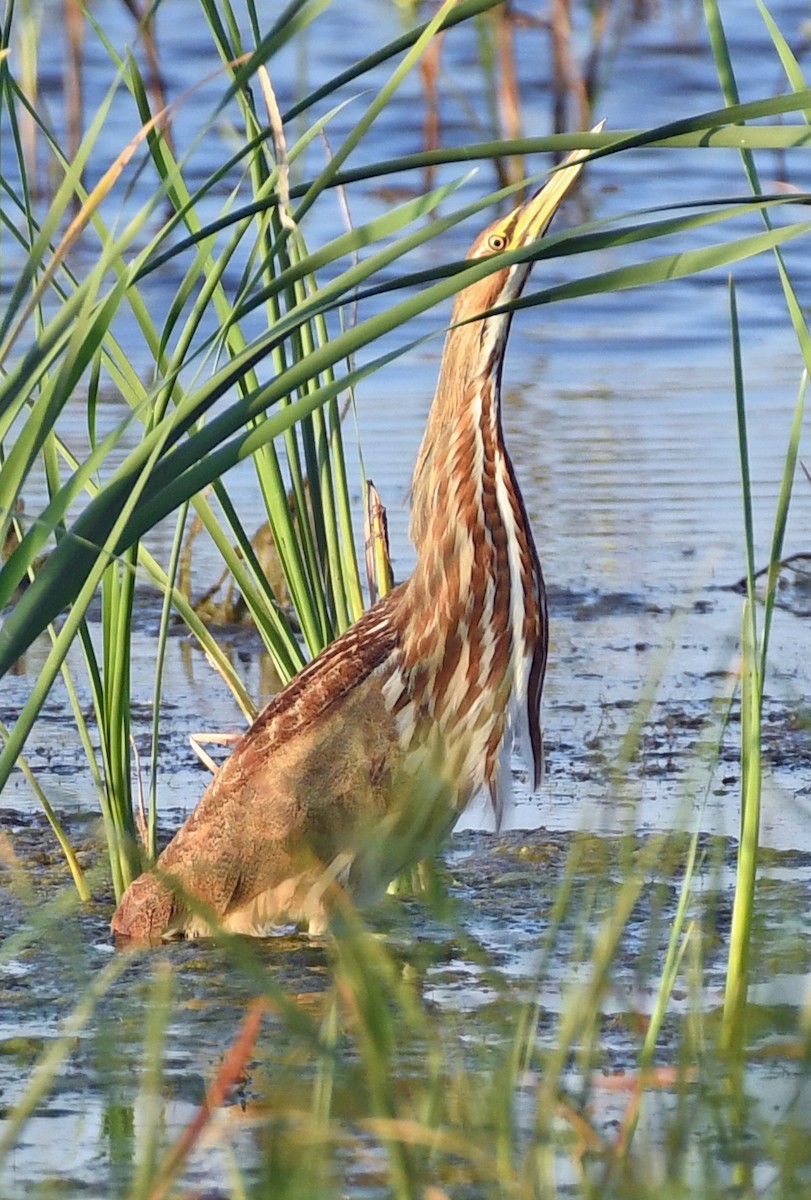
column 620, row 419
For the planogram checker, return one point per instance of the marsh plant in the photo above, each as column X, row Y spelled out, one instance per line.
column 363, row 1084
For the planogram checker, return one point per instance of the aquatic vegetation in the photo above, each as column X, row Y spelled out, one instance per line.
column 625, row 1056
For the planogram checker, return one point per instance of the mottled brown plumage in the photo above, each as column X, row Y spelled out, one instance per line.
column 364, row 762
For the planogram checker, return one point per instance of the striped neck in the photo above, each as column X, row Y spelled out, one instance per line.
column 465, row 417
column 473, row 615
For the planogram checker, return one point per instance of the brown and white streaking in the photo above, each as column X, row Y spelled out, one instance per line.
column 363, row 763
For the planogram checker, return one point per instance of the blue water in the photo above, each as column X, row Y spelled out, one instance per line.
column 619, row 411
column 620, row 417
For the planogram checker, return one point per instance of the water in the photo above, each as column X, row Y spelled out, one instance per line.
column 620, row 418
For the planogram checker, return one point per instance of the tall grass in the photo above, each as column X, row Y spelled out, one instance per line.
column 354, row 1082
column 220, row 397
column 754, row 646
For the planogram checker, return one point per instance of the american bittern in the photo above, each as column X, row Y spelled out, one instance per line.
column 363, row 763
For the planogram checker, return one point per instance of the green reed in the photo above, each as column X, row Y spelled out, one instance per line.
column 372, row 1072
column 755, row 644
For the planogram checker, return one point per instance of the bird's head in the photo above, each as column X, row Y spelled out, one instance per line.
column 524, row 225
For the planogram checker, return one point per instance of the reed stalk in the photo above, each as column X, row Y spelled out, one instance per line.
column 376, row 1081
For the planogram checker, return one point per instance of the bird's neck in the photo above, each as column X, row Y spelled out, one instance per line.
column 469, row 615
column 468, row 523
column 463, row 437
column 471, row 631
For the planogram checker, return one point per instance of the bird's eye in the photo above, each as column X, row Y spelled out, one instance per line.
column 496, row 242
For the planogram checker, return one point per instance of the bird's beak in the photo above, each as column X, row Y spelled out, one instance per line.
column 535, row 215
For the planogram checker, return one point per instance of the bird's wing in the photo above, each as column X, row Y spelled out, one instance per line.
column 342, row 666
column 297, row 774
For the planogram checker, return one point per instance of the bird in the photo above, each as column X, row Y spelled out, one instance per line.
column 362, row 764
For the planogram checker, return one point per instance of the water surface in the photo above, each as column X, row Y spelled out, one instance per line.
column 620, row 418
